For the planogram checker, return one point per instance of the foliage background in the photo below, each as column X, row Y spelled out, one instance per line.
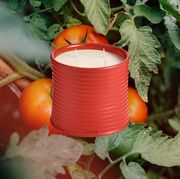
column 148, row 29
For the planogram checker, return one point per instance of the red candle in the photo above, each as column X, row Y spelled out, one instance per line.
column 90, row 90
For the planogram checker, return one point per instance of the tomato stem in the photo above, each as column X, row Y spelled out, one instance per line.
column 10, row 79
column 115, row 9
column 164, row 114
column 77, row 11
column 21, row 67
column 40, row 11
column 110, row 165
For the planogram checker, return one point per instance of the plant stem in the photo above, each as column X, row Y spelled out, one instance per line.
column 21, row 67
column 10, row 79
column 77, row 11
column 115, row 9
column 114, row 162
column 101, row 174
column 170, row 112
column 40, row 11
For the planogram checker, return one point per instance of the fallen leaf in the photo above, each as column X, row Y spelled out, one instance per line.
column 44, row 155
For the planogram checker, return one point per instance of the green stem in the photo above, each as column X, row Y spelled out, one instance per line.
column 110, row 165
column 77, row 11
column 10, row 79
column 116, row 9
column 163, row 114
column 40, row 11
column 20, row 66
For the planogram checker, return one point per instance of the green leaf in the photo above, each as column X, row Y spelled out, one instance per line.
column 17, row 4
column 58, row 4
column 124, row 139
column 132, row 171
column 153, row 15
column 38, row 149
column 35, row 3
column 168, row 6
column 53, row 31
column 38, row 22
column 98, row 13
column 144, row 56
column 41, row 63
column 69, row 19
column 36, row 33
column 38, row 28
column 173, row 30
column 88, row 149
column 47, row 3
column 157, row 148
column 174, row 124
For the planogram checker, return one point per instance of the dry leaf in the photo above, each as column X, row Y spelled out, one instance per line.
column 43, row 154
column 77, row 172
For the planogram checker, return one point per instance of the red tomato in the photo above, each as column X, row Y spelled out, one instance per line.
column 9, row 117
column 35, row 104
column 75, row 35
column 137, row 107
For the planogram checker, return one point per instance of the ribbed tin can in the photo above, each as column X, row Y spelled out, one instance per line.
column 89, row 102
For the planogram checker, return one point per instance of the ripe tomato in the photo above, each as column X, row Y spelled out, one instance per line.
column 35, row 104
column 137, row 107
column 75, row 35
column 9, row 117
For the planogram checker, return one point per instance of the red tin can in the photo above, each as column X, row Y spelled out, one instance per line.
column 89, row 102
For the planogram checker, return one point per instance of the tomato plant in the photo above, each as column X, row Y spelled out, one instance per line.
column 79, row 34
column 137, row 107
column 148, row 30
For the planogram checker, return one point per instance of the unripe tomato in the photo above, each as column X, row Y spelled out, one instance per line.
column 35, row 104
column 137, row 107
column 76, row 34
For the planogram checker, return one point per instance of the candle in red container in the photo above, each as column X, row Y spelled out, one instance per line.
column 90, row 90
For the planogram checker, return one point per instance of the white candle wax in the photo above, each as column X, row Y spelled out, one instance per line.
column 88, row 58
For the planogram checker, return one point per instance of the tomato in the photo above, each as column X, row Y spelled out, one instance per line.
column 35, row 104
column 76, row 34
column 9, row 117
column 137, row 107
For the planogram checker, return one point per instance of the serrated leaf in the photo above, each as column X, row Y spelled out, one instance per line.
column 157, row 148
column 38, row 28
column 144, row 56
column 174, row 124
column 125, row 138
column 168, row 6
column 35, row 3
column 173, row 30
column 43, row 154
column 132, row 171
column 58, row 4
column 98, row 13
column 16, row 4
column 153, row 15
column 36, row 33
column 53, row 31
column 38, row 22
column 47, row 3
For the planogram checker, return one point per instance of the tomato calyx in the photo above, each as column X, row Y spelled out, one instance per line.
column 83, row 40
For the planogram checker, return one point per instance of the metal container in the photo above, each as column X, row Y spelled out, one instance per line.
column 89, row 102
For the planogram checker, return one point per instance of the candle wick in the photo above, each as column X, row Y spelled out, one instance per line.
column 76, row 55
column 105, row 57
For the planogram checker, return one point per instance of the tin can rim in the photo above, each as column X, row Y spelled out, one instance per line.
column 109, row 48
